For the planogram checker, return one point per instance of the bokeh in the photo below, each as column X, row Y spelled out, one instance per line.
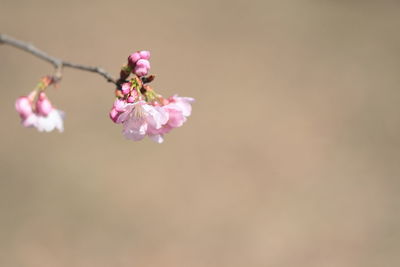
column 290, row 158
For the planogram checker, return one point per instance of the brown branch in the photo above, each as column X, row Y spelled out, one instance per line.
column 56, row 62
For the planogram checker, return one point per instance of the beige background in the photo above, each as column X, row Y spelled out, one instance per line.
column 291, row 156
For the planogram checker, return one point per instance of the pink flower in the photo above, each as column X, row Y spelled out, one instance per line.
column 45, row 118
column 119, row 105
column 118, row 108
column 178, row 109
column 54, row 120
column 142, row 111
column 139, row 117
column 185, row 104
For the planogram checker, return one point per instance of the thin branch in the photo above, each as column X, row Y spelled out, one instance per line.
column 56, row 62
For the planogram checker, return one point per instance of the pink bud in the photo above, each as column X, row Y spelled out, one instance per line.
column 143, row 63
column 126, row 88
column 43, row 105
column 131, row 99
column 23, row 106
column 140, row 71
column 133, row 58
column 42, row 95
column 144, row 54
column 114, row 114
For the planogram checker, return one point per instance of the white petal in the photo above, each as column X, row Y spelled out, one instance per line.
column 158, row 138
column 133, row 135
column 30, row 121
column 185, row 107
column 45, row 124
column 59, row 121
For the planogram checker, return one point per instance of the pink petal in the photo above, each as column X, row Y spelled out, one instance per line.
column 23, row 106
column 133, row 58
column 143, row 63
column 30, row 121
column 144, row 54
column 43, row 106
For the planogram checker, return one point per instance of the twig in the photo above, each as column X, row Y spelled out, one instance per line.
column 57, row 63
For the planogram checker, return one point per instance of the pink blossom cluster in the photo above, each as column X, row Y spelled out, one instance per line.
column 142, row 111
column 40, row 113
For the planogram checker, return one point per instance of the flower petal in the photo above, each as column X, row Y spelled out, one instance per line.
column 158, row 138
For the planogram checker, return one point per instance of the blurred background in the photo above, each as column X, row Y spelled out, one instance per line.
column 290, row 158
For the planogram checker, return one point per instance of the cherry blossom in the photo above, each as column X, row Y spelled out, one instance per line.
column 141, row 111
column 40, row 114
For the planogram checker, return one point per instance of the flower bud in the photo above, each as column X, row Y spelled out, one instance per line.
column 143, row 63
column 43, row 105
column 23, row 106
column 133, row 58
column 144, row 54
column 131, row 99
column 141, row 71
column 126, row 88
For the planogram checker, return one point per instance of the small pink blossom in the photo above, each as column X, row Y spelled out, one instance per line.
column 54, row 120
column 178, row 109
column 185, row 104
column 139, row 117
column 119, row 105
column 44, row 118
column 142, row 111
column 118, row 108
